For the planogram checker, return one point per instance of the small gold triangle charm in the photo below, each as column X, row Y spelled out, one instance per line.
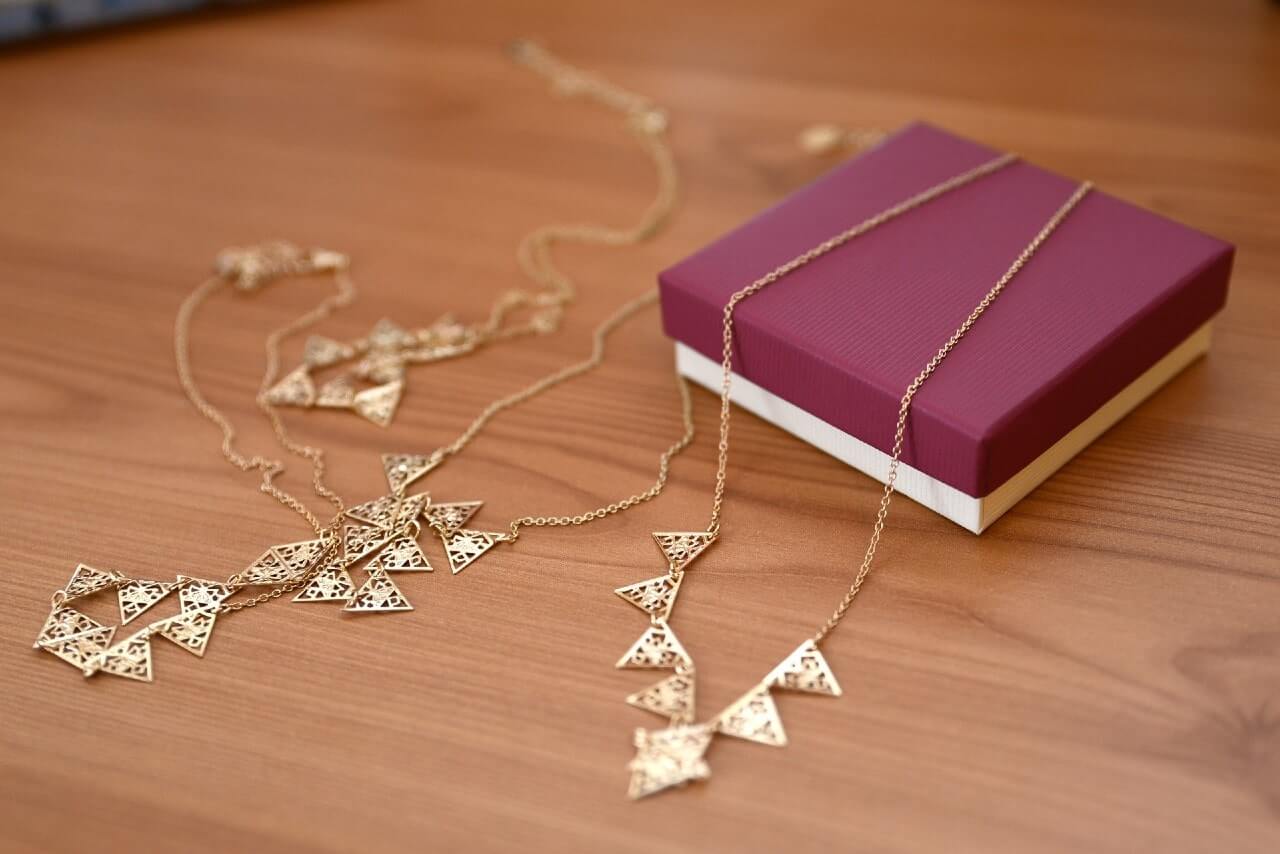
column 672, row 697
column 753, row 716
column 452, row 515
column 191, row 630
column 668, row 757
column 400, row 555
column 137, row 596
column 386, row 335
column 64, row 623
column 86, row 580
column 404, row 469
column 411, row 508
column 654, row 596
column 381, row 367
column 79, row 650
column 337, row 393
column 196, row 594
column 360, row 540
column 267, row 569
column 657, row 649
column 294, row 389
column 131, row 658
column 320, row 352
column 681, row 547
column 379, row 511
column 464, row 546
column 298, row 557
column 806, row 670
column 378, row 593
column 332, row 584
column 378, row 404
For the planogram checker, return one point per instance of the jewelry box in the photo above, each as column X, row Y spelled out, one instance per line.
column 1115, row 306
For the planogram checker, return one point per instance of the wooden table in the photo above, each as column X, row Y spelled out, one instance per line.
column 1099, row 672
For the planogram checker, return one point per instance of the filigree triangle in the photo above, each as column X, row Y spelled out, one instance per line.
column 64, row 623
column 331, row 584
column 191, row 630
column 299, row 556
column 380, row 511
column 411, row 508
column 137, row 596
column 668, row 757
column 654, row 596
column 378, row 593
column 378, row 404
column 464, row 546
column 753, row 716
column 381, row 367
column 337, row 393
column 657, row 649
column 81, row 649
column 360, row 540
column 404, row 469
column 294, row 389
column 267, row 569
column 130, row 658
column 673, row 697
column 452, row 515
column 400, row 555
column 86, row 580
column 387, row 335
column 806, row 670
column 320, row 351
column 197, row 594
column 681, row 547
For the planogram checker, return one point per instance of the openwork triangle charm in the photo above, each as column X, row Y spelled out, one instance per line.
column 196, row 594
column 654, row 596
column 672, row 697
column 657, row 649
column 464, row 546
column 64, row 623
column 361, row 540
column 753, row 716
column 378, row 593
column 806, row 670
column 404, row 469
column 82, row 649
column 450, row 516
column 137, row 596
column 190, row 630
column 681, row 547
column 378, row 404
column 86, row 580
column 331, row 584
column 400, row 555
column 130, row 658
column 295, row 389
column 668, row 757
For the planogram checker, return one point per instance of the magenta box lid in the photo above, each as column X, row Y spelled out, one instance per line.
column 1112, row 291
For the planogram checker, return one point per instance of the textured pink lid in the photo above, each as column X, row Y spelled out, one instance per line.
column 1114, row 289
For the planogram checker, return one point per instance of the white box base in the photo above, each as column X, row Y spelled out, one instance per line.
column 969, row 512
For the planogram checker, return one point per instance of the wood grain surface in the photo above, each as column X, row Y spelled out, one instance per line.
column 1099, row 672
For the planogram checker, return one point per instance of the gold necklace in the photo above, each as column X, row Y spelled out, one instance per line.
column 382, row 357
column 383, row 532
column 675, row 755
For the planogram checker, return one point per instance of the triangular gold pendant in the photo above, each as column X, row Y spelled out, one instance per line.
column 681, row 547
column 451, row 515
column 137, row 596
column 378, row 593
column 378, row 404
column 464, row 546
column 673, row 697
column 805, row 670
column 191, row 630
column 298, row 557
column 668, row 757
column 320, row 352
column 332, row 584
column 86, row 580
column 131, row 659
column 411, row 508
column 400, row 555
column 654, row 596
column 360, row 540
column 379, row 511
column 387, row 335
column 80, row 650
column 404, row 469
column 337, row 393
column 753, row 716
column 657, row 649
column 196, row 594
column 267, row 569
column 64, row 623
column 294, row 389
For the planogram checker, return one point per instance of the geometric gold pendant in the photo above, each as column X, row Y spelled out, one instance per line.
column 332, row 584
column 137, row 596
column 753, row 716
column 658, row 648
column 378, row 404
column 79, row 650
column 654, row 596
column 464, row 546
column 681, row 547
column 130, row 658
column 671, row 698
column 191, row 630
column 668, row 757
column 378, row 593
column 805, row 670
column 400, row 555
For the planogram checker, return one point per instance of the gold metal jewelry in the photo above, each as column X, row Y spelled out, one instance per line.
column 674, row 756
